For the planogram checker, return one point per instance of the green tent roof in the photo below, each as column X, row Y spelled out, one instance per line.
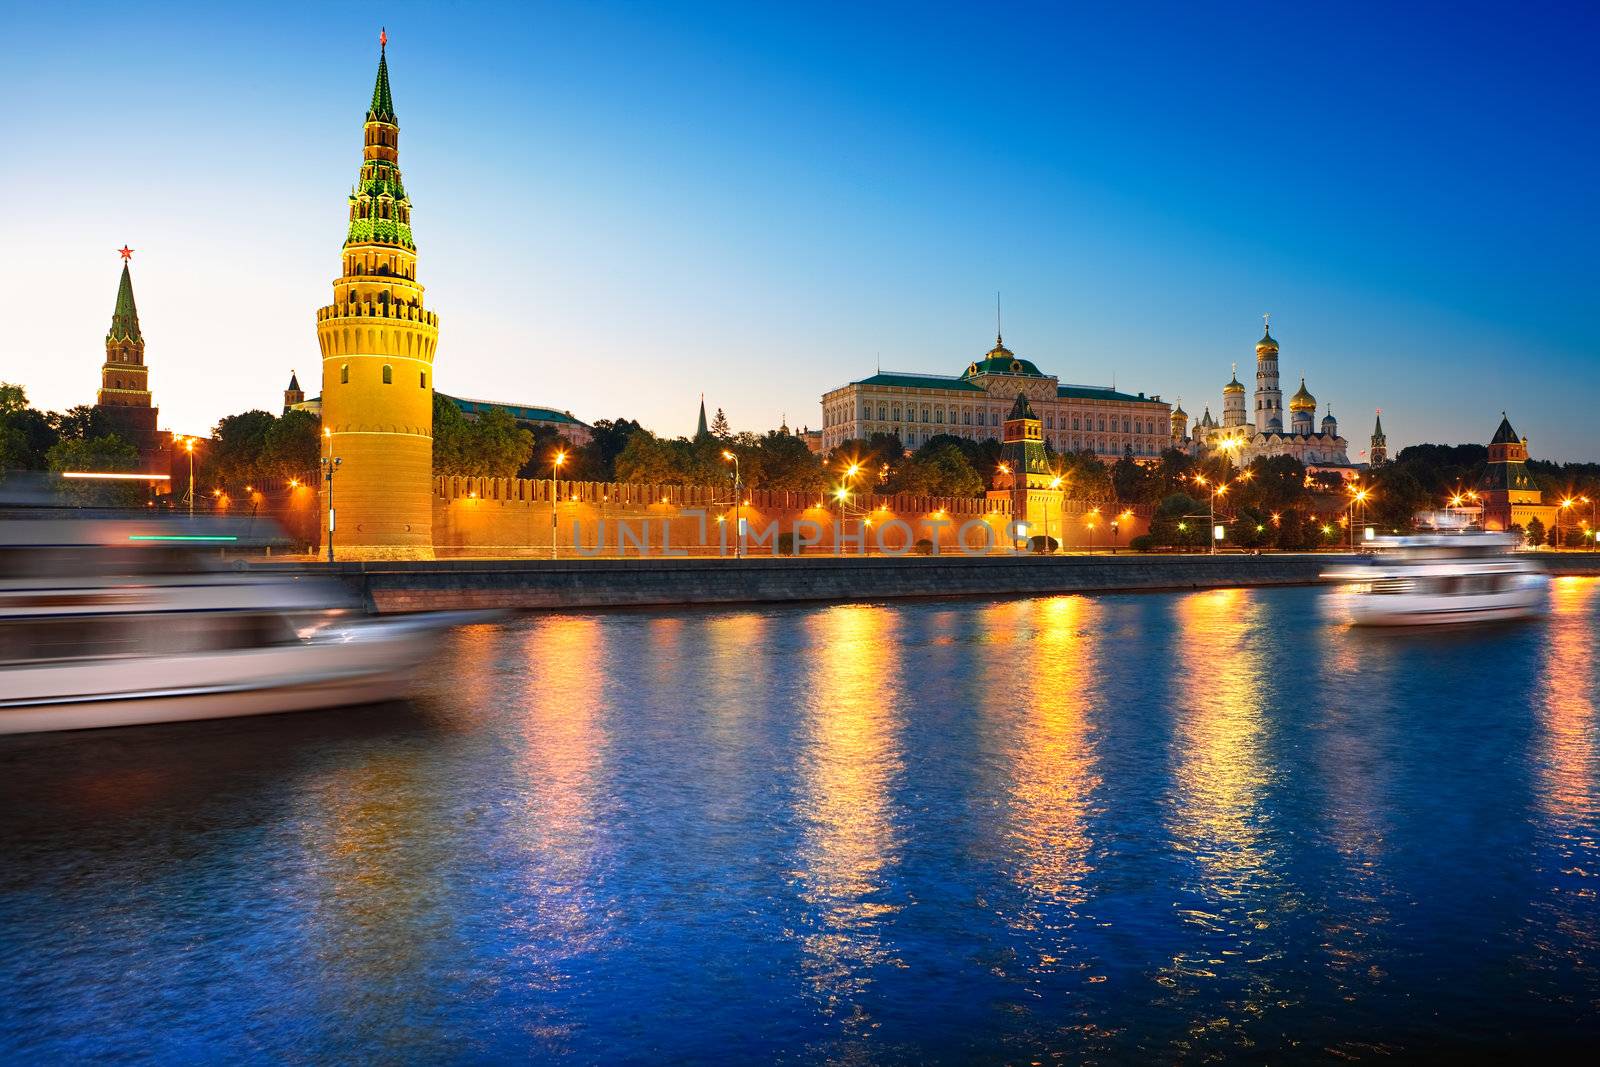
column 125, row 319
column 382, row 109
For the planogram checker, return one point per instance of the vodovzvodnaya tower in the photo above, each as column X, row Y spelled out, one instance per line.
column 377, row 361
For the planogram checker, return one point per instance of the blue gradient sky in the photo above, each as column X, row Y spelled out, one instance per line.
column 619, row 206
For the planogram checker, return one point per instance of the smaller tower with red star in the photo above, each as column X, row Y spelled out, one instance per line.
column 124, row 397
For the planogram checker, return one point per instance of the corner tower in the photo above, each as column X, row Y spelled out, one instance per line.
column 124, row 395
column 1269, row 398
column 377, row 359
column 1378, row 451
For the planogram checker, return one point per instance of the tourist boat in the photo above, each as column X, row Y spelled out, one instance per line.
column 107, row 623
column 1432, row 579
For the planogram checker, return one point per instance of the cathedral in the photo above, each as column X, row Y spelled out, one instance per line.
column 1249, row 437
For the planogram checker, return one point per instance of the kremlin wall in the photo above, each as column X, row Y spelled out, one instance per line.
column 378, row 342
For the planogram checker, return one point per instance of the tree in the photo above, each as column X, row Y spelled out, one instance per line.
column 491, row 445
column 80, row 423
column 1396, row 497
column 719, row 426
column 786, row 463
column 935, row 470
column 1131, row 483
column 13, row 398
column 1084, row 477
column 239, row 451
column 1277, row 484
column 597, row 460
column 1535, row 532
column 1179, row 520
column 292, row 447
column 107, row 453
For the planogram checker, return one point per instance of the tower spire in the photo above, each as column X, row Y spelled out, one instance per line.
column 382, row 109
column 998, row 340
column 125, row 318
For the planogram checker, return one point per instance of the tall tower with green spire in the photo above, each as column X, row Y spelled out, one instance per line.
column 124, row 397
column 1378, row 452
column 378, row 345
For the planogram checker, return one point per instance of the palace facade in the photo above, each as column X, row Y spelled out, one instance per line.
column 1249, row 437
column 973, row 405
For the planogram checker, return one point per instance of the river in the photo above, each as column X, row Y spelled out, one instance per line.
column 1127, row 827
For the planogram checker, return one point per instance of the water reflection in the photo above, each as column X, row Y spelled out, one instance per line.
column 849, row 848
column 1218, row 821
column 1568, row 771
column 556, row 917
column 1052, row 773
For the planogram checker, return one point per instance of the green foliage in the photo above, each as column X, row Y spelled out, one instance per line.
column 238, row 454
column 784, row 462
column 1534, row 533
column 1276, row 484
column 13, row 398
column 1143, row 543
column 1132, row 483
column 1251, row 528
column 935, row 469
column 597, row 460
column 1396, row 496
column 871, row 454
column 491, row 445
column 108, row 453
column 1084, row 477
column 80, row 423
column 1181, row 521
column 292, row 446
column 719, row 426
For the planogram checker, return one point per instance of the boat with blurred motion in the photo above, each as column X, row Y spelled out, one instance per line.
column 112, row 623
column 1442, row 578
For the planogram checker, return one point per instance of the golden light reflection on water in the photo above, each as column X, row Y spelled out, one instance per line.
column 1053, row 776
column 560, row 708
column 850, row 843
column 1567, row 713
column 1221, row 778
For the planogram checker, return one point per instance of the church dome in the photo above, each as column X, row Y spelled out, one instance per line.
column 1001, row 360
column 1178, row 412
column 1302, row 399
column 1266, row 343
column 1234, row 386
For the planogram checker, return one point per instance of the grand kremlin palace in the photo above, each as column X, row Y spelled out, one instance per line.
column 973, row 405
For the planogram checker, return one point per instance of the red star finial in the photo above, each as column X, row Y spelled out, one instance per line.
column 127, row 253
column 383, row 37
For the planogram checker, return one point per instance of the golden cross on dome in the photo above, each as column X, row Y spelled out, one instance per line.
column 127, row 253
column 1266, row 320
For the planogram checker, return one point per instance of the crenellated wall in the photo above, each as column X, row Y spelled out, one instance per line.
column 512, row 516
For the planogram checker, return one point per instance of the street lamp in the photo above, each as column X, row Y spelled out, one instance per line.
column 1055, row 483
column 188, row 446
column 738, row 495
column 1094, row 513
column 1115, row 524
column 330, row 465
column 555, row 467
column 1358, row 495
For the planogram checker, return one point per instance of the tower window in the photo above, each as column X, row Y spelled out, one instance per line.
column 344, row 374
column 388, row 374
column 422, row 379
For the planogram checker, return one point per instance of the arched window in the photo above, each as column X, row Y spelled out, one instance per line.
column 388, row 374
column 896, row 414
column 925, row 417
column 883, row 412
column 422, row 379
column 344, row 374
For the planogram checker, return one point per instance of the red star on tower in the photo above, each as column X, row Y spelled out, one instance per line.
column 127, row 253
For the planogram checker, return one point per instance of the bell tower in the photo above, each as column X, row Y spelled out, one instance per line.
column 377, row 360
column 1269, row 397
column 1024, row 477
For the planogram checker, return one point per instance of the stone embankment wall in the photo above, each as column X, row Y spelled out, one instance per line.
column 546, row 584
column 510, row 517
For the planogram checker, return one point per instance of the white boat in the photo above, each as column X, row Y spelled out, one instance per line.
column 107, row 623
column 1435, row 579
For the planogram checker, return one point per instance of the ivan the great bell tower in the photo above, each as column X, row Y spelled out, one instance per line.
column 377, row 361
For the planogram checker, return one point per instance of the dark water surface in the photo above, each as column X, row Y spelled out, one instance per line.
column 1158, row 827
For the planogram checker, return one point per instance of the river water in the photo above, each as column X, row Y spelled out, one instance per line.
column 1141, row 827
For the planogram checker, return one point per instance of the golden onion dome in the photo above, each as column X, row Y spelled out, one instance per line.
column 1266, row 342
column 1302, row 399
column 1234, row 386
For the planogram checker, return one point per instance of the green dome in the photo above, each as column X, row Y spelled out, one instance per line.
column 1001, row 360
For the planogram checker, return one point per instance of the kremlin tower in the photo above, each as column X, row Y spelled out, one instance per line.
column 124, row 396
column 1378, row 453
column 377, row 360
column 1269, row 398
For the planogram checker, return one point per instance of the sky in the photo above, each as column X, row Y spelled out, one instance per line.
column 619, row 206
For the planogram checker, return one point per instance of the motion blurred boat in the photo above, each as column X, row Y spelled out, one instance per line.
column 1434, row 579
column 111, row 623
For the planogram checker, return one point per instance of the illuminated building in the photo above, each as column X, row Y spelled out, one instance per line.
column 124, row 399
column 1509, row 495
column 1024, row 476
column 1312, row 444
column 377, row 346
column 919, row 407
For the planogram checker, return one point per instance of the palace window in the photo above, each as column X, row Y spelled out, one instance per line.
column 883, row 412
column 966, row 418
column 938, row 415
column 388, row 374
column 1050, row 424
column 994, row 418
column 1075, row 425
column 896, row 414
column 1125, row 426
column 1102, row 426
column 925, row 417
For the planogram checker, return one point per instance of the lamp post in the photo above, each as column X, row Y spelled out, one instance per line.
column 1115, row 524
column 188, row 446
column 1094, row 513
column 738, row 495
column 1055, row 483
column 1358, row 495
column 330, row 465
column 555, row 467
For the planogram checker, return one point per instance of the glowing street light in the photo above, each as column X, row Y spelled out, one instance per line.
column 738, row 494
column 555, row 467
